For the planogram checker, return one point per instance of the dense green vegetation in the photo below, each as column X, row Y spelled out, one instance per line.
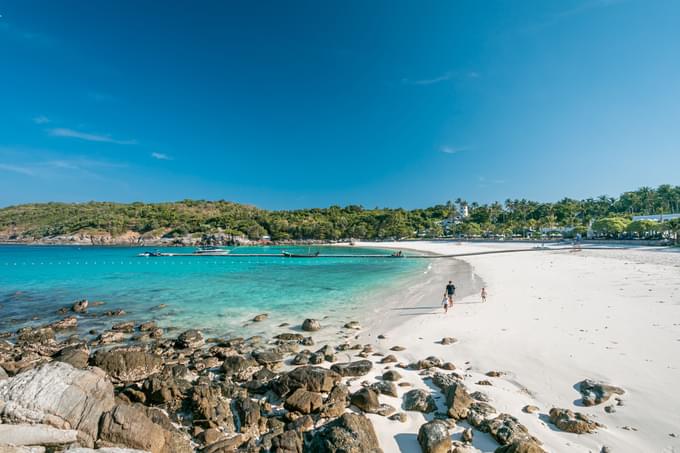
column 608, row 217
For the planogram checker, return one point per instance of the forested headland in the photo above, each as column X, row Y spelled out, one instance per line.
column 603, row 216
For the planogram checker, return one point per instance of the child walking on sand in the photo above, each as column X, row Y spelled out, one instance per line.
column 483, row 294
column 448, row 296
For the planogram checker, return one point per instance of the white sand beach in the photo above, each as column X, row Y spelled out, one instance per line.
column 552, row 319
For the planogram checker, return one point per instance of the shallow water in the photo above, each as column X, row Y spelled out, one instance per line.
column 216, row 294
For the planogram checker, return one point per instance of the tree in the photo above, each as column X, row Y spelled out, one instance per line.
column 610, row 227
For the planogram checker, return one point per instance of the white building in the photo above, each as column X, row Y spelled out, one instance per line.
column 656, row 217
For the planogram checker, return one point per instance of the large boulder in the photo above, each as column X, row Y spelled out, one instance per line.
column 76, row 355
column 249, row 415
column 58, row 395
column 311, row 378
column 304, row 401
column 358, row 368
column 366, row 399
column 594, row 392
column 128, row 364
column 419, row 400
column 336, row 402
column 572, row 422
column 351, row 433
column 210, row 407
column 458, row 401
column 43, row 435
column 434, row 437
column 127, row 426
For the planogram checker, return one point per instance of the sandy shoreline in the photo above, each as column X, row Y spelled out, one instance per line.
column 553, row 319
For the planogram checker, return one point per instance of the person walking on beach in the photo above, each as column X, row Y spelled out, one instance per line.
column 449, row 292
column 483, row 294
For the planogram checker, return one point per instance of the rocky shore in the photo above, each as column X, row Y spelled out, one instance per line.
column 132, row 389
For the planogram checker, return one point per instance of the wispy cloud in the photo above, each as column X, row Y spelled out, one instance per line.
column 41, row 119
column 71, row 133
column 453, row 149
column 449, row 75
column 442, row 78
column 17, row 169
column 161, row 156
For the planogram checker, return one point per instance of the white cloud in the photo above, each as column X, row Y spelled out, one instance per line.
column 453, row 149
column 450, row 75
column 63, row 132
column 442, row 78
column 161, row 156
column 16, row 169
column 41, row 119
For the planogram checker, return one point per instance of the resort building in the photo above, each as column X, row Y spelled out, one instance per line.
column 656, row 217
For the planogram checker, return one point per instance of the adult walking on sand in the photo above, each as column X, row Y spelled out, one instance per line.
column 449, row 292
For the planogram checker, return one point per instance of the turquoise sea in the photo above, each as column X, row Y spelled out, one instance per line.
column 216, row 294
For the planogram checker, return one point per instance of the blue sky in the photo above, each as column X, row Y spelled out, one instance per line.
column 301, row 104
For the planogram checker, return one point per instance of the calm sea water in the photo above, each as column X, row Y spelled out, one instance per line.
column 216, row 294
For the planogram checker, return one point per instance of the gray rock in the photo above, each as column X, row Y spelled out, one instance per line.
column 59, row 395
column 43, row 435
column 70, row 322
column 506, row 429
column 385, row 388
column 434, row 437
column 351, row 433
column 261, row 317
column 190, row 339
column 128, row 364
column 76, row 355
column 419, row 400
column 358, row 368
column 594, row 392
column 239, row 366
column 80, row 306
column 311, row 325
column 391, row 375
column 127, row 326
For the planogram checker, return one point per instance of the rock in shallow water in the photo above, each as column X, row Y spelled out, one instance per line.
column 311, row 325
